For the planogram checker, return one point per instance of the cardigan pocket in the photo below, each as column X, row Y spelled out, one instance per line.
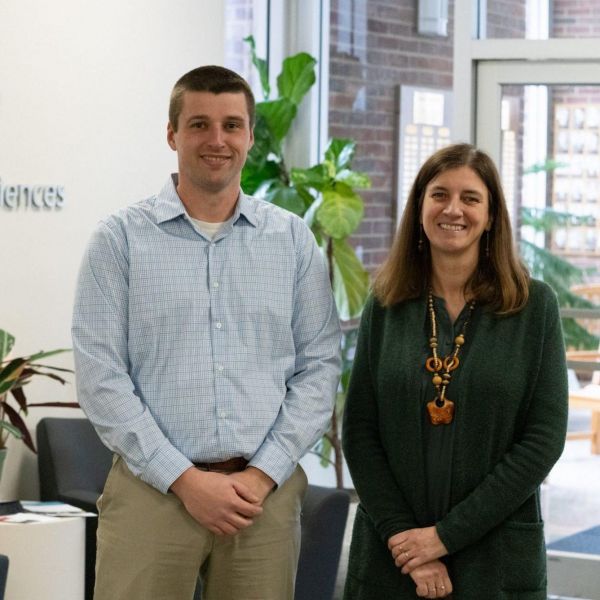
column 523, row 560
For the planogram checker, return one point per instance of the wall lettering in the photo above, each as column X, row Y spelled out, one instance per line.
column 34, row 197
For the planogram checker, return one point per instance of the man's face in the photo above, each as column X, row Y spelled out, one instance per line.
column 212, row 141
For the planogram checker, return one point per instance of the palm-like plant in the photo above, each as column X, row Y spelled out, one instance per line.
column 559, row 273
column 16, row 373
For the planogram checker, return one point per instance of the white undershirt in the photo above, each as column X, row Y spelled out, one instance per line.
column 206, row 228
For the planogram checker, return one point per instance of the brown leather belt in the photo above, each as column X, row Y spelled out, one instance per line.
column 233, row 465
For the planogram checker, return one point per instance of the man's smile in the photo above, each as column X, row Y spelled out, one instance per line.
column 215, row 159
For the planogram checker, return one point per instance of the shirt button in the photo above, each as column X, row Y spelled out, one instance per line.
column 219, row 325
column 216, row 284
column 222, row 414
column 220, row 367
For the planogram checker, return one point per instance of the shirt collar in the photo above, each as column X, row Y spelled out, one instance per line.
column 169, row 206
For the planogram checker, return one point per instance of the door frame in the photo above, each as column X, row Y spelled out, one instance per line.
column 472, row 54
column 492, row 75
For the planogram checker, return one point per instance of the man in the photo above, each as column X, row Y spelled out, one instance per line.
column 207, row 355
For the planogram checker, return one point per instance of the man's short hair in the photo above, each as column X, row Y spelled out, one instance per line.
column 210, row 78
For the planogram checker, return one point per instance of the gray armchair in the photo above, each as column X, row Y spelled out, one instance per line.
column 324, row 516
column 3, row 574
column 74, row 464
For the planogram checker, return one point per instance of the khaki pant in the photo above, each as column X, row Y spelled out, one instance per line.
column 150, row 548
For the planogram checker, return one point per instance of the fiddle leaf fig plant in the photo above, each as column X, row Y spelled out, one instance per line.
column 15, row 374
column 324, row 195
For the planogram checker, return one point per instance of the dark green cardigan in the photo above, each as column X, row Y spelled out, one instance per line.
column 511, row 415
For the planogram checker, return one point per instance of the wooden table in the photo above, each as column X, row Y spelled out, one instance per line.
column 587, row 398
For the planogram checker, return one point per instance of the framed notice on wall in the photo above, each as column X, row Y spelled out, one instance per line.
column 424, row 116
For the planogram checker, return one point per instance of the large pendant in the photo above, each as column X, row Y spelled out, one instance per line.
column 441, row 412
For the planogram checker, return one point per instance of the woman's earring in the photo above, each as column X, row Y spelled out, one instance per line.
column 420, row 243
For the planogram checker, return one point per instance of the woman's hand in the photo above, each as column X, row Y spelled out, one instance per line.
column 432, row 580
column 415, row 547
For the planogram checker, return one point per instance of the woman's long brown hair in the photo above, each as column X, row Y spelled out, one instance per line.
column 500, row 281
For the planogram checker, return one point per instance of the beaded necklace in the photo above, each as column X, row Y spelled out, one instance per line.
column 441, row 409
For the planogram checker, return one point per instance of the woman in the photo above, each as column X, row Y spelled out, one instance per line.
column 457, row 404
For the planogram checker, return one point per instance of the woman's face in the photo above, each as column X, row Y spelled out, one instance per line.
column 455, row 213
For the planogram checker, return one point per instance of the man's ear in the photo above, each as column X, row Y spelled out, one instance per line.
column 171, row 136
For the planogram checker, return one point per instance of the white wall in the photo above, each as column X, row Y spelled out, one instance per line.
column 84, row 90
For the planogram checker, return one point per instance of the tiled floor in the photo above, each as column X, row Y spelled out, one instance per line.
column 570, row 495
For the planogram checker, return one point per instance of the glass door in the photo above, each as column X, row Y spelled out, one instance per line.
column 541, row 123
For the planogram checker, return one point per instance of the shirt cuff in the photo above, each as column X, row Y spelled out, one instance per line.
column 165, row 467
column 274, row 462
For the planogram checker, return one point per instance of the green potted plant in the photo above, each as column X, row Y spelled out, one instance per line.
column 324, row 195
column 15, row 374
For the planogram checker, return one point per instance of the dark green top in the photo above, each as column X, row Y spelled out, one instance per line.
column 438, row 439
column 509, row 430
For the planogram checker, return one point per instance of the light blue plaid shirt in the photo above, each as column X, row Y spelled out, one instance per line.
column 192, row 350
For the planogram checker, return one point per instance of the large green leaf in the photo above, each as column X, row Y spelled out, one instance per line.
column 297, row 77
column 10, row 373
column 288, row 198
column 353, row 179
column 308, row 197
column 278, row 115
column 310, row 216
column 254, row 178
column 266, row 146
column 261, row 67
column 7, row 341
column 340, row 153
column 341, row 211
column 316, row 177
column 350, row 281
